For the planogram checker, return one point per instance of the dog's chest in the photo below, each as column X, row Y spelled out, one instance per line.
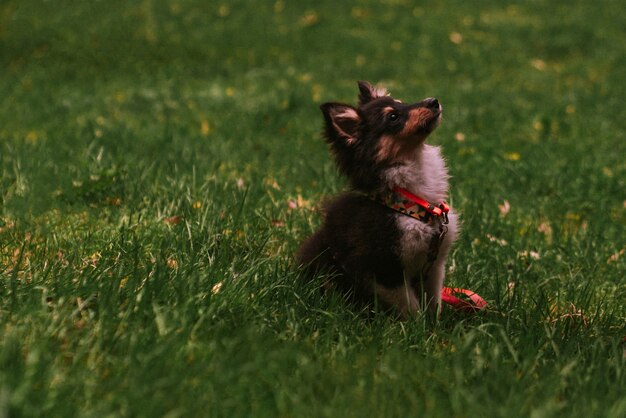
column 414, row 241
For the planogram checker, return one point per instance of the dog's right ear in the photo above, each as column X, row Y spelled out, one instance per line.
column 342, row 122
column 367, row 92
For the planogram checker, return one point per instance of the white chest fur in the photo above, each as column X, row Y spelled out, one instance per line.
column 426, row 176
column 414, row 242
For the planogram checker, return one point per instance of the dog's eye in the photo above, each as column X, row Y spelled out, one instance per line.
column 393, row 116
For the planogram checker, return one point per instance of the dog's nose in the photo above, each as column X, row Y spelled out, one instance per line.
column 431, row 103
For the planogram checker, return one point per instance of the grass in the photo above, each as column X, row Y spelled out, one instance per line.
column 161, row 161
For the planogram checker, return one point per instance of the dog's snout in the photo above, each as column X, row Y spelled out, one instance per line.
column 432, row 103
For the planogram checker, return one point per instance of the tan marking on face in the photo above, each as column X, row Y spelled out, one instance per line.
column 394, row 148
column 401, row 146
column 418, row 118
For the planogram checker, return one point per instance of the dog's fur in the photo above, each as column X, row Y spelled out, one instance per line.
column 374, row 254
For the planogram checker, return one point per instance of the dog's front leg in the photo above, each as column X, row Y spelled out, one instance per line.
column 433, row 282
column 433, row 285
column 401, row 298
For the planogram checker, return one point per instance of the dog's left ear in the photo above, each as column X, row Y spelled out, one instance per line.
column 367, row 92
column 342, row 122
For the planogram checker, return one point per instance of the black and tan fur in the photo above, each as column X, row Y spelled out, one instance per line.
column 374, row 254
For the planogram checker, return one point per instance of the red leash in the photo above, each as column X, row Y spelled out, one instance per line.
column 475, row 302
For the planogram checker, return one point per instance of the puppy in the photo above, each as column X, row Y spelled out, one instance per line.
column 385, row 242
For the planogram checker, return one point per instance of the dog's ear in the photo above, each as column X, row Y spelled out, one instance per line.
column 367, row 92
column 342, row 122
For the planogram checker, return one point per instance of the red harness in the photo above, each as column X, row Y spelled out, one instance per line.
column 440, row 210
column 405, row 202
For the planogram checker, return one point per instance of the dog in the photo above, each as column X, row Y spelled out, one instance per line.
column 385, row 242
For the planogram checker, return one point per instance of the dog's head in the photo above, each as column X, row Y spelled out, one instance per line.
column 381, row 132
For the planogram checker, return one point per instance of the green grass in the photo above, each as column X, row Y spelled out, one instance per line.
column 152, row 150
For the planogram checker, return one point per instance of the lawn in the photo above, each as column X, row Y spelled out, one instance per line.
column 161, row 161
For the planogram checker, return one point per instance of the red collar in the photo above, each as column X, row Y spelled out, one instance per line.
column 405, row 202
